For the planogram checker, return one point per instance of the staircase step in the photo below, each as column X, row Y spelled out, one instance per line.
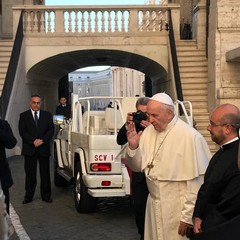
column 4, row 64
column 185, row 47
column 183, row 64
column 187, row 53
column 198, row 86
column 191, row 58
column 200, row 108
column 186, row 43
column 202, row 116
column 193, row 80
column 196, row 92
column 3, row 71
column 5, row 53
column 2, row 76
column 6, row 43
column 191, row 75
column 192, row 69
column 199, row 104
column 4, row 58
column 204, row 132
column 201, row 126
column 198, row 111
column 194, row 97
column 5, row 48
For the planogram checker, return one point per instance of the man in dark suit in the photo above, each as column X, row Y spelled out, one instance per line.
column 7, row 140
column 36, row 130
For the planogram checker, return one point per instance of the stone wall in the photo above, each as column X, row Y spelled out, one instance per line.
column 224, row 35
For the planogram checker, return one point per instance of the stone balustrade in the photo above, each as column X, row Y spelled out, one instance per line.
column 94, row 19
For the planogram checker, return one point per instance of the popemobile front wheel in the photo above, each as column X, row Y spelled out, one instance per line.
column 84, row 202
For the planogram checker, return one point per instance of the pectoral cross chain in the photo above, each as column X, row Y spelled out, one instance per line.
column 150, row 166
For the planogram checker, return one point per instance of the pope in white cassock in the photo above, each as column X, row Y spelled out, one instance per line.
column 174, row 157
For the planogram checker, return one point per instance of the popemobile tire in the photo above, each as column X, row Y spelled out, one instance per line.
column 59, row 181
column 84, row 202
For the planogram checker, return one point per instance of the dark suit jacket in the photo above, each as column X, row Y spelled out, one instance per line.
column 29, row 132
column 7, row 140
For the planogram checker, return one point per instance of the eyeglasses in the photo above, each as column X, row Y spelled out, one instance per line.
column 213, row 124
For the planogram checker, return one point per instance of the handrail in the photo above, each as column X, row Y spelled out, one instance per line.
column 12, row 68
column 185, row 111
column 175, row 60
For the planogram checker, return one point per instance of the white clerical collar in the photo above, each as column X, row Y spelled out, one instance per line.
column 233, row 140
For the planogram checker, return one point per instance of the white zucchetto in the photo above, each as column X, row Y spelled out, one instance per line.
column 162, row 98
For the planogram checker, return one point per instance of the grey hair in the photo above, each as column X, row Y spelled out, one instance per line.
column 36, row 95
column 142, row 101
column 171, row 108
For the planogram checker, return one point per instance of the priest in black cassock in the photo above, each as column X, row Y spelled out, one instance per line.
column 63, row 108
column 218, row 201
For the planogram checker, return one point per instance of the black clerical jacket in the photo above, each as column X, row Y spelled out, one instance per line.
column 219, row 197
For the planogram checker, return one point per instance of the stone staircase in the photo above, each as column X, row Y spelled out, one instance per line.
column 5, row 54
column 194, row 77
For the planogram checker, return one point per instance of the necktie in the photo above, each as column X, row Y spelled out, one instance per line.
column 36, row 118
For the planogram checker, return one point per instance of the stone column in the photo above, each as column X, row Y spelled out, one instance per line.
column 199, row 24
column 7, row 24
column 176, row 21
column 6, row 20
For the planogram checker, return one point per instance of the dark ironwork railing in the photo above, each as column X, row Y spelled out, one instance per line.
column 12, row 67
column 175, row 60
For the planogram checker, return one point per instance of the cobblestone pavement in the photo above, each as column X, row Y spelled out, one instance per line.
column 114, row 218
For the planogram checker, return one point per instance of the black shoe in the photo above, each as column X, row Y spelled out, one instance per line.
column 26, row 201
column 49, row 200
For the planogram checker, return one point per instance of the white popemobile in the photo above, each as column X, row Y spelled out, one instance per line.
column 86, row 152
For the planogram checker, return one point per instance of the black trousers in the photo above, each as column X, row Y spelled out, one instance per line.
column 140, row 195
column 31, row 176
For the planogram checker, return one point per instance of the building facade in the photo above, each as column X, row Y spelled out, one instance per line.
column 112, row 81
